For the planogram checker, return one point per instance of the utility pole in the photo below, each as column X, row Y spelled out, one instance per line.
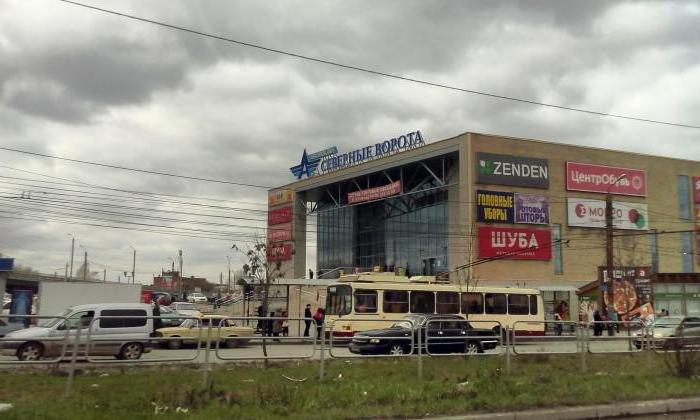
column 609, row 252
column 104, row 276
column 229, row 274
column 133, row 268
column 179, row 252
column 66, row 278
column 85, row 267
column 72, row 252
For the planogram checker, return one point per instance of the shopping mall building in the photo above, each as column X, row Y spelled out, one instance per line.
column 488, row 210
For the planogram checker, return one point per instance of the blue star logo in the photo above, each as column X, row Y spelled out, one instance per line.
column 307, row 166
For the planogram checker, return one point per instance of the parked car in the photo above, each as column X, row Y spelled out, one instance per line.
column 671, row 332
column 193, row 330
column 196, row 297
column 128, row 337
column 186, row 309
column 7, row 327
column 170, row 318
column 444, row 333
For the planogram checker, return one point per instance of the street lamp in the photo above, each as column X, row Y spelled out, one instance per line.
column 72, row 252
column 229, row 273
column 85, row 266
column 609, row 250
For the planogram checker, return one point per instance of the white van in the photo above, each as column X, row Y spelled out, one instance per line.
column 124, row 338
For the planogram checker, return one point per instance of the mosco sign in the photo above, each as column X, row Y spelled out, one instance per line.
column 512, row 170
column 515, row 243
column 605, row 179
column 586, row 212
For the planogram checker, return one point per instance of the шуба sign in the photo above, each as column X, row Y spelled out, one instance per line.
column 512, row 170
column 605, row 179
column 515, row 243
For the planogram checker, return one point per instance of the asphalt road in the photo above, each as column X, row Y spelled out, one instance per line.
column 295, row 349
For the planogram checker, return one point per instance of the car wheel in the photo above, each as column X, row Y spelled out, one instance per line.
column 397, row 350
column 472, row 348
column 174, row 344
column 130, row 351
column 28, row 352
column 231, row 344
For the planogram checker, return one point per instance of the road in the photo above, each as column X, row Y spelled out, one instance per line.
column 294, row 349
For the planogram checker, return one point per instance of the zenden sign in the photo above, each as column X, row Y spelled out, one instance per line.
column 519, row 171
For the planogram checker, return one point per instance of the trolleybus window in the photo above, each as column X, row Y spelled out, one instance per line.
column 496, row 303
column 447, row 302
column 518, row 304
column 533, row 304
column 365, row 301
column 423, row 302
column 338, row 300
column 395, row 301
column 472, row 303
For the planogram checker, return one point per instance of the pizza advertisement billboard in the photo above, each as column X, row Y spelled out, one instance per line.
column 514, row 243
column 278, row 216
column 632, row 292
column 605, row 179
column 495, row 206
column 590, row 213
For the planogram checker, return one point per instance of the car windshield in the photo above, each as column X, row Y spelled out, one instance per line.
column 185, row 307
column 410, row 321
column 165, row 310
column 49, row 323
column 667, row 322
column 403, row 324
column 189, row 323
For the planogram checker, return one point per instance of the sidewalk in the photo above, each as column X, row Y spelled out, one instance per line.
column 620, row 410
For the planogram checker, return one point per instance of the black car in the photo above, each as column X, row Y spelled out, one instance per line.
column 443, row 333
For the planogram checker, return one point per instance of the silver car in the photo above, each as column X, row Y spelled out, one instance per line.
column 672, row 332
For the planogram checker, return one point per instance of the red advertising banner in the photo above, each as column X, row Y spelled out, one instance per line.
column 696, row 189
column 604, row 179
column 279, row 234
column 375, row 193
column 279, row 252
column 277, row 216
column 515, row 243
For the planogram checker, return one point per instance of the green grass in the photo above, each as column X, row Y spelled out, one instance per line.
column 357, row 389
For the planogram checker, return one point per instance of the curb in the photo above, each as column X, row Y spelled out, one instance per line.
column 667, row 406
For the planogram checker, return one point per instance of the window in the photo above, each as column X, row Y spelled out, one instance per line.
column 82, row 319
column 687, row 251
column 123, row 322
column 533, row 304
column 518, row 305
column 558, row 254
column 447, row 302
column 365, row 301
column 423, row 302
column 395, row 302
column 472, row 303
column 496, row 303
column 684, row 210
column 338, row 300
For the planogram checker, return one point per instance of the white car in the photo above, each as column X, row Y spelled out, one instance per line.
column 197, row 298
column 186, row 308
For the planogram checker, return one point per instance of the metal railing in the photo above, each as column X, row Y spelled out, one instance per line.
column 402, row 344
column 461, row 337
column 38, row 347
column 566, row 332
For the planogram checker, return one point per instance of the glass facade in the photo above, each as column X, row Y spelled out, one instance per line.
column 408, row 232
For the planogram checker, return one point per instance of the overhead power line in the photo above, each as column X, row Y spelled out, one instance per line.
column 125, row 168
column 373, row 71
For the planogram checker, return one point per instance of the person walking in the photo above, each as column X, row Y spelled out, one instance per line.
column 157, row 321
column 597, row 324
column 261, row 323
column 319, row 317
column 285, row 324
column 307, row 319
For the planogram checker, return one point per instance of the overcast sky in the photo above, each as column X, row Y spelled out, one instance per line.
column 86, row 85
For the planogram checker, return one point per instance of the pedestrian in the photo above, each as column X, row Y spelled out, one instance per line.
column 157, row 321
column 597, row 324
column 260, row 327
column 276, row 324
column 285, row 324
column 615, row 321
column 557, row 324
column 319, row 317
column 307, row 319
column 609, row 325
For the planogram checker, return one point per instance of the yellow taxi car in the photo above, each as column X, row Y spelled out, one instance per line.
column 191, row 330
